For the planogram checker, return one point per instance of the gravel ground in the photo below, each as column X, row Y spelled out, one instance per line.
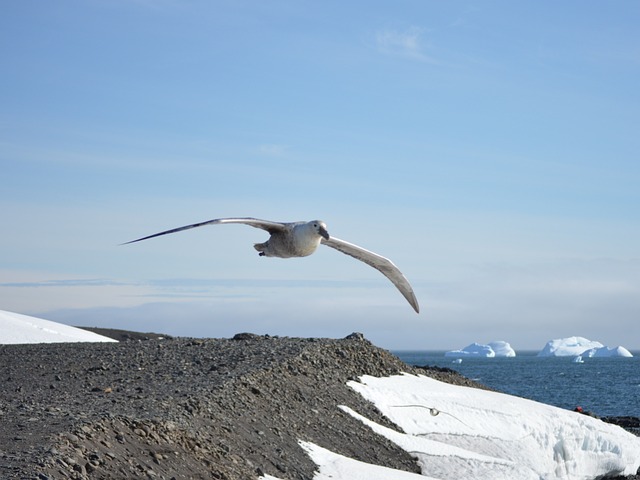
column 178, row 408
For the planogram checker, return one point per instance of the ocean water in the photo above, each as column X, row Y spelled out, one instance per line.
column 604, row 386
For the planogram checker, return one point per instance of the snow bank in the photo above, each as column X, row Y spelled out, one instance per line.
column 18, row 328
column 333, row 466
column 574, row 346
column 490, row 350
column 462, row 432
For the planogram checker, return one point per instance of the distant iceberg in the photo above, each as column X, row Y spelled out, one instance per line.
column 609, row 352
column 568, row 347
column 479, row 350
column 580, row 346
column 502, row 349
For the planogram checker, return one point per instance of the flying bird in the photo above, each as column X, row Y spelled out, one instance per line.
column 434, row 412
column 300, row 239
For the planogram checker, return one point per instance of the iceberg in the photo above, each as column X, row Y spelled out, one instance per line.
column 490, row 350
column 16, row 328
column 502, row 349
column 568, row 347
column 609, row 352
column 473, row 350
column 580, row 346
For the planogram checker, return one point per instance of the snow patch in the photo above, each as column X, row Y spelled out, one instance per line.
column 463, row 432
column 333, row 466
column 16, row 328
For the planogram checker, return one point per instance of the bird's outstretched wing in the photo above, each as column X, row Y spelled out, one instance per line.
column 384, row 265
column 253, row 222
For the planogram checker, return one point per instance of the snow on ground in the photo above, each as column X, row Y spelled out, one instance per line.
column 18, row 328
column 453, row 431
column 490, row 350
column 574, row 346
column 334, row 466
column 462, row 432
column 338, row 467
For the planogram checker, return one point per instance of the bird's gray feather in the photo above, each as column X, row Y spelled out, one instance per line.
column 380, row 263
column 267, row 225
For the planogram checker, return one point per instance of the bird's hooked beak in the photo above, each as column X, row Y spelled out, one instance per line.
column 323, row 232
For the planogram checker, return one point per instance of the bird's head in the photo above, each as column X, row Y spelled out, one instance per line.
column 320, row 228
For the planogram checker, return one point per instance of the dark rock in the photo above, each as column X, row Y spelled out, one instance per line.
column 245, row 336
column 355, row 336
column 628, row 423
column 125, row 335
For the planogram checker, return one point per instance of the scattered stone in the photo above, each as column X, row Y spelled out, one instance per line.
column 227, row 409
column 245, row 336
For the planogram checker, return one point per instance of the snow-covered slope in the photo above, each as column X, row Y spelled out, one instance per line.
column 18, row 328
column 461, row 432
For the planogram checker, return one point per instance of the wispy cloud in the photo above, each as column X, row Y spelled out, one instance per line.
column 197, row 284
column 91, row 282
column 407, row 43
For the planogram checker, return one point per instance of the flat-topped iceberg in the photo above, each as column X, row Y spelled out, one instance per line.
column 580, row 346
column 489, row 350
column 568, row 347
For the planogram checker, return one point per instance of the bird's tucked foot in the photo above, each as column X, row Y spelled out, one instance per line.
column 260, row 247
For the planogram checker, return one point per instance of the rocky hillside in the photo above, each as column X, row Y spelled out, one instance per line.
column 189, row 408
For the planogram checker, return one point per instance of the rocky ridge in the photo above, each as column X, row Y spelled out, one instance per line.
column 174, row 408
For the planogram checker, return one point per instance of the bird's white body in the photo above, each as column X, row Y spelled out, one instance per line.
column 301, row 239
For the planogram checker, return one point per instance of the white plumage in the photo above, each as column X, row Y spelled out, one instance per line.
column 300, row 239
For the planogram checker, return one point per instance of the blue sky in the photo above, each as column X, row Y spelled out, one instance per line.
column 490, row 149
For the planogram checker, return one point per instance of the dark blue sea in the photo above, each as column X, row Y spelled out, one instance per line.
column 604, row 386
